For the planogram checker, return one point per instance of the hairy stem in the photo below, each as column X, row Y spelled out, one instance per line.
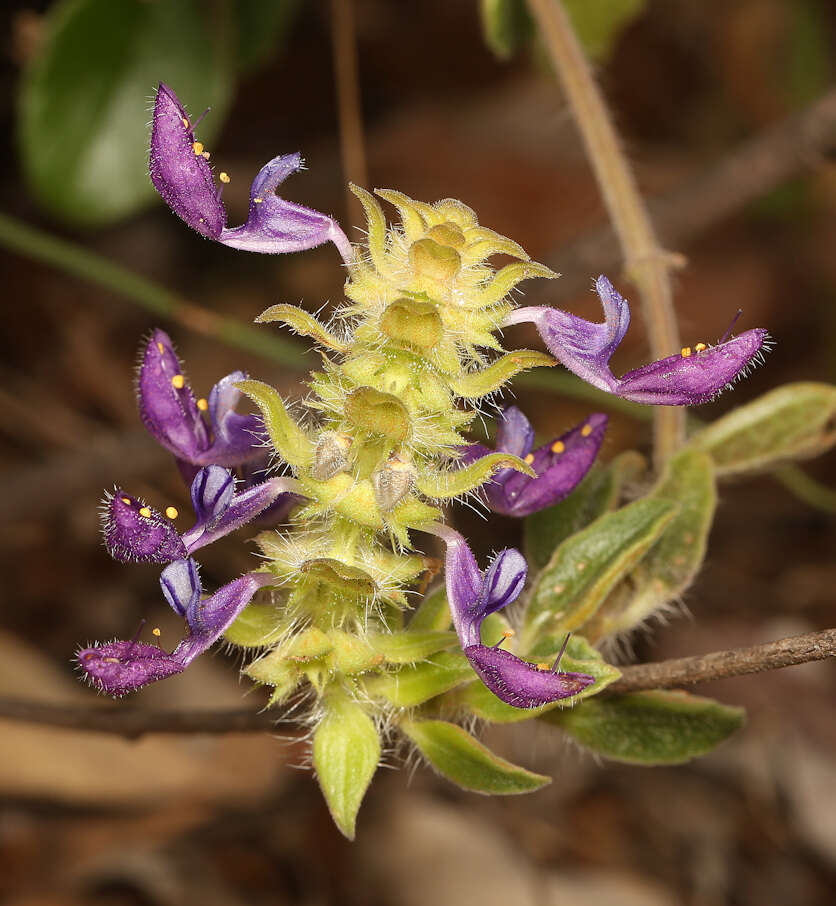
column 647, row 265
column 133, row 722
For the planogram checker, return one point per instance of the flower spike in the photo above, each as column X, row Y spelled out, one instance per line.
column 472, row 596
column 120, row 667
column 181, row 173
column 692, row 377
column 137, row 533
column 560, row 464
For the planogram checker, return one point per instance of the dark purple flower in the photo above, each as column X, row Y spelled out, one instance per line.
column 120, row 667
column 181, row 173
column 560, row 464
column 137, row 533
column 172, row 415
column 474, row 595
column 696, row 375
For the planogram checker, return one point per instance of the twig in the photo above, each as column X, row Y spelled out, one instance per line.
column 647, row 265
column 347, row 83
column 74, row 259
column 134, row 722
column 798, row 649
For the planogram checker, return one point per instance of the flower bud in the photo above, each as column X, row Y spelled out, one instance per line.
column 438, row 262
column 414, row 322
column 448, row 234
column 378, row 413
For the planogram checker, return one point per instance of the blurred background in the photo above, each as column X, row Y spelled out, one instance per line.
column 94, row 819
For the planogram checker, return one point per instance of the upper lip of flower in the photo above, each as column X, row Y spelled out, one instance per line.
column 180, row 172
column 695, row 375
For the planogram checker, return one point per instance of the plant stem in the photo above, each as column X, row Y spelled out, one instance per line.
column 135, row 722
column 74, row 259
column 647, row 265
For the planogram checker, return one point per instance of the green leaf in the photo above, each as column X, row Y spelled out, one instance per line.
column 263, row 27
column 83, row 103
column 580, row 657
column 456, row 755
column 477, row 384
column 598, row 25
column 301, row 322
column 411, row 645
column 795, row 421
column 351, row 654
column 599, row 492
column 506, row 24
column 441, row 484
column 259, row 624
column 413, row 685
column 648, row 728
column 274, row 670
column 433, row 612
column 670, row 566
column 346, row 751
column 586, row 566
column 287, row 438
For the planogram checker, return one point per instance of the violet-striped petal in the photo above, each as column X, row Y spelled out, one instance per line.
column 520, row 684
column 560, row 465
column 695, row 376
column 179, row 171
column 180, row 582
column 212, row 491
column 136, row 533
column 275, row 225
column 235, row 437
column 124, row 666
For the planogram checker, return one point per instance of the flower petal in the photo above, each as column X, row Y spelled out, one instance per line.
column 560, row 466
column 235, row 437
column 520, row 684
column 504, row 580
column 136, row 533
column 166, row 404
column 181, row 585
column 693, row 377
column 275, row 225
column 211, row 492
column 179, row 172
column 514, row 433
column 124, row 666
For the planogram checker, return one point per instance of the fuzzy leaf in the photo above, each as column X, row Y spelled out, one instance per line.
column 504, row 281
column 411, row 645
column 586, row 566
column 648, row 728
column 274, row 670
column 796, row 421
column 82, row 110
column 671, row 564
column 446, row 484
column 598, row 493
column 413, row 685
column 433, row 612
column 352, row 654
column 301, row 322
column 346, row 751
column 287, row 438
column 259, row 624
column 456, row 755
column 580, row 657
column 506, row 24
column 477, row 384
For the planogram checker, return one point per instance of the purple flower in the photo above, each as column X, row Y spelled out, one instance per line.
column 120, row 667
column 136, row 533
column 181, row 173
column 696, row 375
column 171, row 414
column 560, row 464
column 472, row 596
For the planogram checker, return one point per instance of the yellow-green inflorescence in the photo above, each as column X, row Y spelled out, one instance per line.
column 406, row 362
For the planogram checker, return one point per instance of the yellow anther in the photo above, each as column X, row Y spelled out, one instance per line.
column 685, row 352
column 508, row 634
column 529, row 459
column 126, row 501
column 258, row 200
column 586, row 430
column 202, row 404
column 223, row 176
column 156, row 631
column 558, row 446
column 145, row 512
column 185, row 121
column 197, row 147
column 206, row 155
column 700, row 347
column 171, row 512
column 543, row 667
column 161, row 347
column 178, row 381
